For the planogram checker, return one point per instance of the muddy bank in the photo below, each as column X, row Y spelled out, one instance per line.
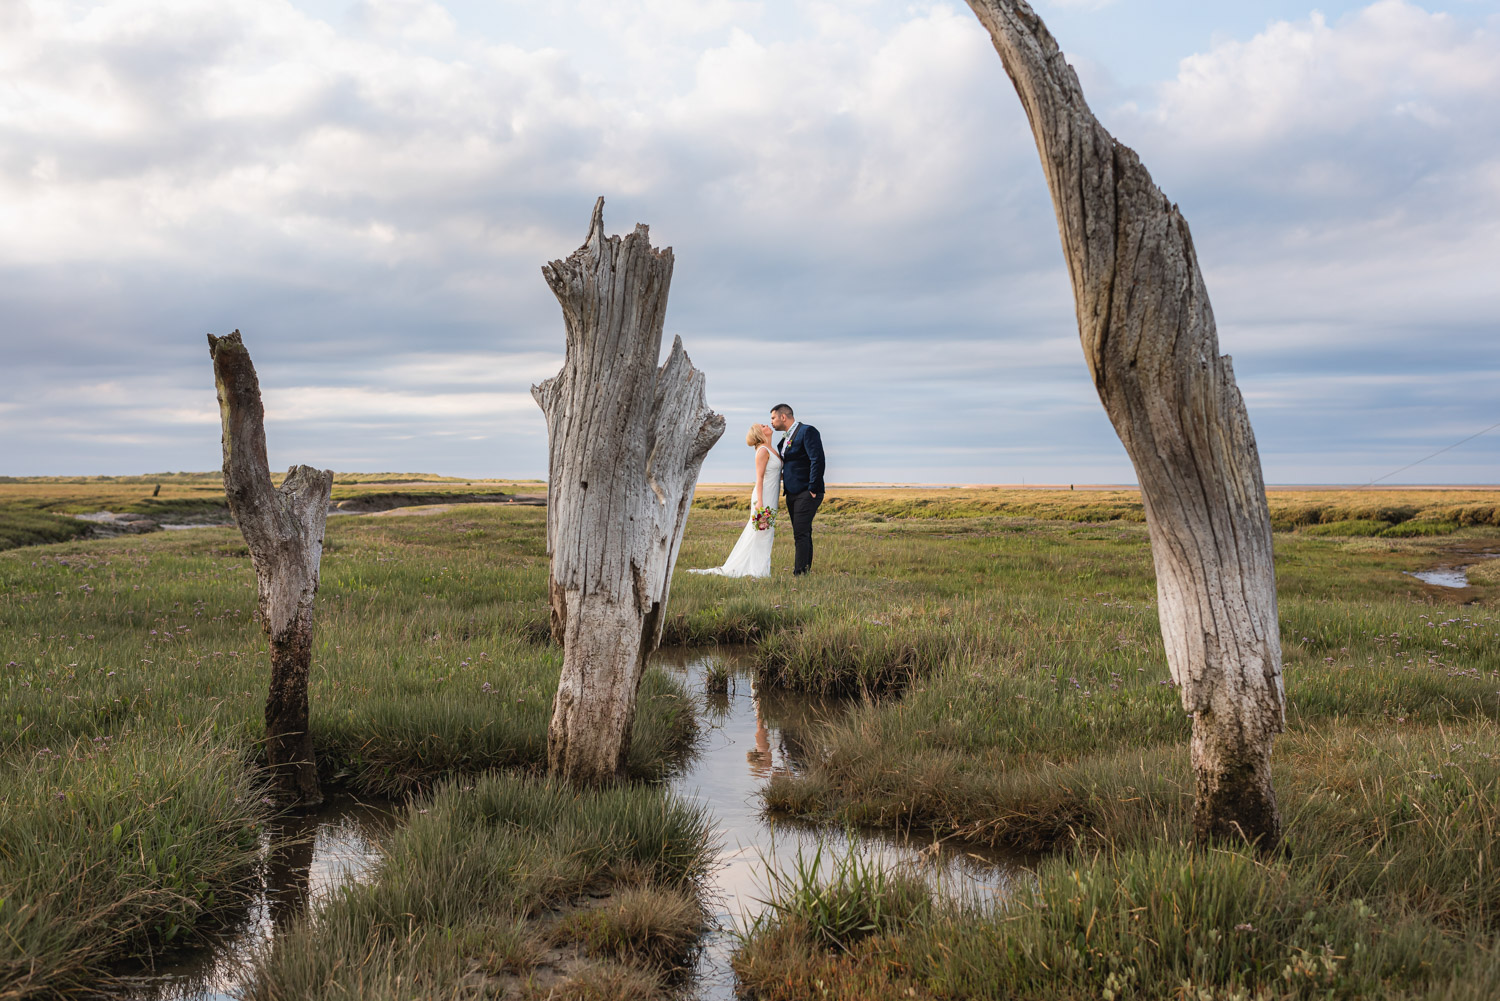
column 376, row 503
column 109, row 524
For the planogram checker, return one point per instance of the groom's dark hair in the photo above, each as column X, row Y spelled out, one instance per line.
column 783, row 409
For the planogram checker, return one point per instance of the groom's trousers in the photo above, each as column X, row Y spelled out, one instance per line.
column 802, row 507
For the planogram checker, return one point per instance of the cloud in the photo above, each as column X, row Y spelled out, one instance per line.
column 417, row 20
column 851, row 189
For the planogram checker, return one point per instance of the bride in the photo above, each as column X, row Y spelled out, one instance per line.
column 751, row 556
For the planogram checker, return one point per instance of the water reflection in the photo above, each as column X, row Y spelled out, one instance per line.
column 753, row 736
column 304, row 858
column 1443, row 577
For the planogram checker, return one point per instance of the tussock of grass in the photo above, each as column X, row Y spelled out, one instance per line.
column 1485, row 572
column 1420, row 528
column 112, row 847
column 1383, row 890
column 840, row 902
column 640, row 924
column 601, row 982
column 501, row 854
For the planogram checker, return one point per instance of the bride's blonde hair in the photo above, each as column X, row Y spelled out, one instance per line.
column 756, row 436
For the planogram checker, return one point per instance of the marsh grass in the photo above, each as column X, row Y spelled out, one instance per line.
column 1290, row 508
column 423, row 668
column 1385, row 889
column 485, row 876
column 26, row 525
column 1024, row 701
column 837, row 900
column 115, row 846
column 1019, row 696
column 38, row 510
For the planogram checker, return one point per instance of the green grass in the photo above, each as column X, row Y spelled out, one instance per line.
column 1022, row 699
column 836, row 904
column 486, row 876
column 25, row 525
column 115, row 846
column 1385, row 889
column 430, row 661
column 1019, row 697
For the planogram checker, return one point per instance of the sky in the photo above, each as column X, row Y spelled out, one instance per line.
column 859, row 220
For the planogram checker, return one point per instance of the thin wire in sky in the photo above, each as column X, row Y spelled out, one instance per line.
column 1424, row 458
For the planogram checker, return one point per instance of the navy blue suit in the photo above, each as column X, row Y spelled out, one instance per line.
column 802, row 479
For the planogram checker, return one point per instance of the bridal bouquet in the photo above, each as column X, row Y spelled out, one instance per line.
column 764, row 518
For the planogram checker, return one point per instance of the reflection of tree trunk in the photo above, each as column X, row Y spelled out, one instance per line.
column 626, row 441
column 284, row 531
column 289, row 868
column 1150, row 342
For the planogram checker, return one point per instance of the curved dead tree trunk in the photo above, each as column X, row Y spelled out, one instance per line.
column 1148, row 335
column 284, row 530
column 626, row 441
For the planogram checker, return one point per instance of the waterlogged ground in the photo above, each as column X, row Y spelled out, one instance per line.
column 1020, row 701
column 752, row 734
column 749, row 736
column 304, row 859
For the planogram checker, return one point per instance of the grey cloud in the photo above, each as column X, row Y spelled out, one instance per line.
column 876, row 244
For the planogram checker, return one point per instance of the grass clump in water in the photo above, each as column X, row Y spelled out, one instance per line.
column 486, row 880
column 716, row 678
column 838, row 900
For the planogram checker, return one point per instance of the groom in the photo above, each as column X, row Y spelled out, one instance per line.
column 801, row 450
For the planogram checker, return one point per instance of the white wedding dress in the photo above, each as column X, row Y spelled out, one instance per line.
column 751, row 555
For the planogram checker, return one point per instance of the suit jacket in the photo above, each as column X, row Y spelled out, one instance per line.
column 802, row 462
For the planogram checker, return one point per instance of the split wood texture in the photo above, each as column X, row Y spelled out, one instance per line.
column 1149, row 338
column 626, row 441
column 284, row 530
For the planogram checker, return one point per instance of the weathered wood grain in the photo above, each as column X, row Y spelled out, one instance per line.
column 1149, row 339
column 284, row 530
column 626, row 442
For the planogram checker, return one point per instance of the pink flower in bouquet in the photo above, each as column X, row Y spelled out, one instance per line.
column 764, row 518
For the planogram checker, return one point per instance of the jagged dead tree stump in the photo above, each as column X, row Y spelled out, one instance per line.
column 626, row 441
column 1149, row 338
column 284, row 530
